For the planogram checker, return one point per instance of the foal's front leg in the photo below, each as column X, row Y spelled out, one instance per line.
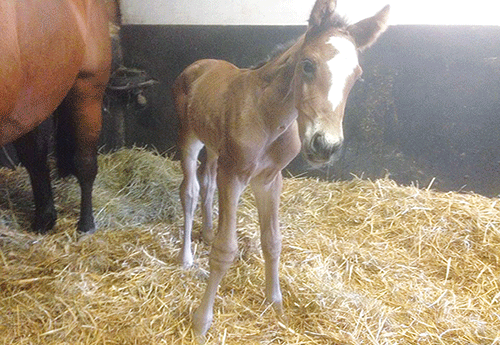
column 267, row 195
column 224, row 247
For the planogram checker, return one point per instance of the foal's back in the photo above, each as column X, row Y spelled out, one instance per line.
column 205, row 94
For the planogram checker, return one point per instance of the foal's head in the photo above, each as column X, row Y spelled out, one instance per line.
column 327, row 69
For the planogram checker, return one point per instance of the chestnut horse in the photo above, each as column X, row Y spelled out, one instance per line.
column 253, row 122
column 55, row 54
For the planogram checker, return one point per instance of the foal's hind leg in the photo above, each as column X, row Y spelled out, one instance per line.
column 208, row 175
column 79, row 125
column 32, row 149
column 190, row 148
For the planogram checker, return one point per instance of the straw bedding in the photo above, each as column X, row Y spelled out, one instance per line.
column 363, row 262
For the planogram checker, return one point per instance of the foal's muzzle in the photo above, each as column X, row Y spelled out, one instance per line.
column 320, row 151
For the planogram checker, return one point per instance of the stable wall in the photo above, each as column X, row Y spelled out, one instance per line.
column 427, row 110
column 236, row 12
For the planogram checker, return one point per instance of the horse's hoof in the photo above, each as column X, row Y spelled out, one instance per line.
column 44, row 223
column 201, row 323
column 86, row 229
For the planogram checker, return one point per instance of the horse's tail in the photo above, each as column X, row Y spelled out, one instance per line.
column 65, row 143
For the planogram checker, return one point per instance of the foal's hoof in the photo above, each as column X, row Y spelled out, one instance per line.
column 186, row 260
column 207, row 236
column 278, row 308
column 201, row 324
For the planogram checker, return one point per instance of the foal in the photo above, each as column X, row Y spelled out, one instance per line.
column 253, row 123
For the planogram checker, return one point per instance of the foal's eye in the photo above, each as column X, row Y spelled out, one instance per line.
column 308, row 67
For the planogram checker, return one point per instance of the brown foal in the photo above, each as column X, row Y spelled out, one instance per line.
column 253, row 122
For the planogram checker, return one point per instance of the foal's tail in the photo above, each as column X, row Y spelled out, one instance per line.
column 182, row 85
column 180, row 92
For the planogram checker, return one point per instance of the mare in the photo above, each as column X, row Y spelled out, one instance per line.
column 55, row 57
column 253, row 122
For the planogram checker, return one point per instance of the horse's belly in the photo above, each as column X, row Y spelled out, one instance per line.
column 42, row 65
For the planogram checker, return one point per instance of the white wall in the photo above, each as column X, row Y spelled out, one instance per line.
column 296, row 12
column 231, row 12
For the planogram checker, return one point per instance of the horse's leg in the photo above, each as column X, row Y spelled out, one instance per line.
column 32, row 149
column 224, row 247
column 80, row 123
column 267, row 196
column 190, row 148
column 208, row 175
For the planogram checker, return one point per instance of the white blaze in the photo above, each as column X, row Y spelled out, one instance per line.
column 341, row 66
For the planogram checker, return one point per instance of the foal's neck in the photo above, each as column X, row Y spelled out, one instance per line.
column 276, row 103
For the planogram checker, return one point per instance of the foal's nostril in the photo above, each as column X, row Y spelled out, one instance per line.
column 318, row 143
column 322, row 150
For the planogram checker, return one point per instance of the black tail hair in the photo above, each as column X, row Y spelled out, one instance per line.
column 65, row 143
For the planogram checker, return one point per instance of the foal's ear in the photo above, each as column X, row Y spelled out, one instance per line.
column 322, row 12
column 366, row 31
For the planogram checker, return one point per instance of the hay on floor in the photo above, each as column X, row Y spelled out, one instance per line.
column 363, row 263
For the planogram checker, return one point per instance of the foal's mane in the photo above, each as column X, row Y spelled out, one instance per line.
column 335, row 22
column 275, row 53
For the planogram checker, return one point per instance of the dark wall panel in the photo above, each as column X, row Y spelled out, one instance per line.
column 164, row 51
